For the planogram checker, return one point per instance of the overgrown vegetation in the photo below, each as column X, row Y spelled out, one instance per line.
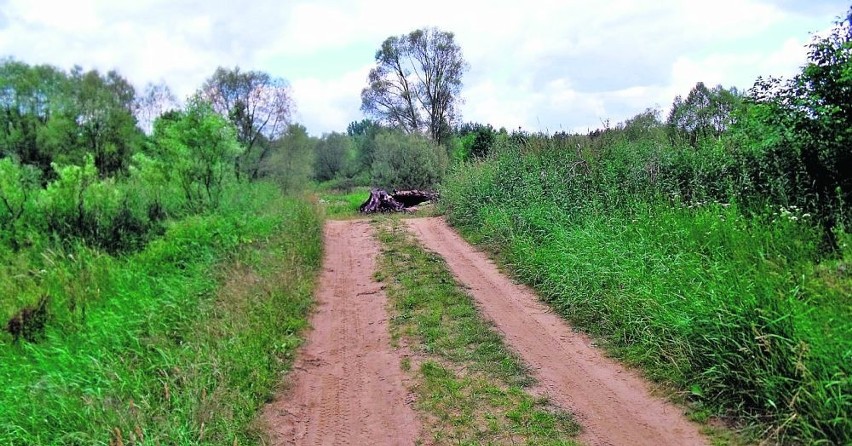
column 471, row 388
column 147, row 294
column 179, row 343
column 713, row 250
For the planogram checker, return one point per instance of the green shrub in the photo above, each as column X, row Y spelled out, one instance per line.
column 405, row 161
column 18, row 186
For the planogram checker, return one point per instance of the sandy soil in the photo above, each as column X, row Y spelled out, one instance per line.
column 613, row 404
column 347, row 385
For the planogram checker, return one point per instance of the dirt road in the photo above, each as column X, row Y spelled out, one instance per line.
column 347, row 386
column 614, row 405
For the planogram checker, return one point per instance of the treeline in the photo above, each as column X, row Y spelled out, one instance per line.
column 75, row 163
column 711, row 247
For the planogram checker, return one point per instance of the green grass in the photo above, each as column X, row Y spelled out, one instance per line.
column 180, row 343
column 471, row 389
column 337, row 204
column 742, row 313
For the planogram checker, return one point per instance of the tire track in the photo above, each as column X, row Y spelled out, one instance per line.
column 613, row 404
column 347, row 386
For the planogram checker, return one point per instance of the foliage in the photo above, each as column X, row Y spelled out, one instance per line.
column 47, row 115
column 18, row 184
column 258, row 105
column 477, row 140
column 706, row 113
column 291, row 159
column 407, row 162
column 197, row 149
column 138, row 307
column 334, row 157
column 416, row 83
column 737, row 306
column 78, row 205
column 180, row 343
column 807, row 121
column 364, row 134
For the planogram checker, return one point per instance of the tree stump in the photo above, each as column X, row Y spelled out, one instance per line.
column 381, row 201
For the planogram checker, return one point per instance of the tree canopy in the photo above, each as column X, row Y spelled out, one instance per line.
column 416, row 82
column 259, row 106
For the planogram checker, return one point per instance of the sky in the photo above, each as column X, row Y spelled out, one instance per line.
column 541, row 65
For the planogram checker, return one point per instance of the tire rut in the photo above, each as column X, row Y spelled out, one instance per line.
column 346, row 385
column 612, row 403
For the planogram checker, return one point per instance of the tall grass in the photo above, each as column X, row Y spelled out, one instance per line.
column 179, row 343
column 738, row 307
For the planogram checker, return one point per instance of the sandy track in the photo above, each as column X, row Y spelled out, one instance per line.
column 613, row 404
column 346, row 384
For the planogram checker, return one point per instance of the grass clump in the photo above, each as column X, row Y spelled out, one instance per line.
column 470, row 387
column 341, row 203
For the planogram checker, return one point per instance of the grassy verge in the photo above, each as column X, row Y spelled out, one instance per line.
column 739, row 312
column 337, row 204
column 180, row 343
column 471, row 389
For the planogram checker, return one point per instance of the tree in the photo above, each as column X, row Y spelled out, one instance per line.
column 258, row 105
column 103, row 109
column 363, row 133
column 705, row 113
column 407, row 161
column 291, row 158
column 416, row 83
column 47, row 115
column 811, row 115
column 332, row 156
column 196, row 148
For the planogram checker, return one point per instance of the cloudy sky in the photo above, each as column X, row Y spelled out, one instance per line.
column 545, row 65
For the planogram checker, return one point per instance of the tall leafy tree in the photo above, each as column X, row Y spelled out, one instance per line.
column 103, row 110
column 706, row 112
column 291, row 159
column 416, row 83
column 363, row 133
column 196, row 148
column 810, row 117
column 332, row 156
column 259, row 106
column 47, row 115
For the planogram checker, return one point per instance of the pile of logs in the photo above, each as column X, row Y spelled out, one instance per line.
column 403, row 200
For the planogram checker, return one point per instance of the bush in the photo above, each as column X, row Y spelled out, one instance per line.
column 407, row 162
column 78, row 205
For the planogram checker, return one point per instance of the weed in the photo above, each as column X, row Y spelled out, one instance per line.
column 471, row 387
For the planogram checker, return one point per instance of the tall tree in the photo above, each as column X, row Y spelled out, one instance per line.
column 291, row 160
column 104, row 112
column 259, row 106
column 416, row 82
column 197, row 148
column 332, row 155
column 47, row 115
column 812, row 115
column 705, row 113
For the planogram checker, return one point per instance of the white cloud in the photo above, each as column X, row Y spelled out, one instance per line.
column 329, row 105
column 539, row 64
